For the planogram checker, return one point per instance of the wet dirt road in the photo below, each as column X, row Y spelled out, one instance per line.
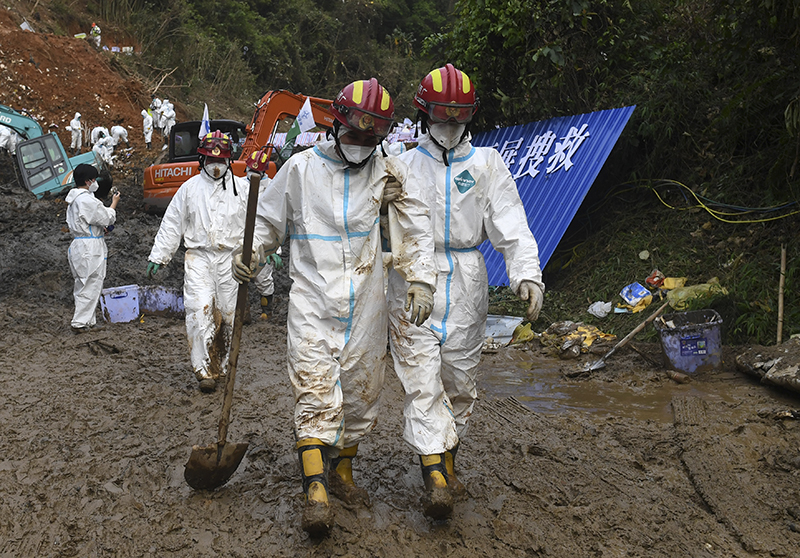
column 95, row 430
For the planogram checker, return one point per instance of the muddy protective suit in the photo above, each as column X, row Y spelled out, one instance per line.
column 210, row 220
column 87, row 219
column 473, row 199
column 337, row 322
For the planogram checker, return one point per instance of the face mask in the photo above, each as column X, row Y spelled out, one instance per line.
column 448, row 135
column 356, row 153
column 215, row 170
column 93, row 186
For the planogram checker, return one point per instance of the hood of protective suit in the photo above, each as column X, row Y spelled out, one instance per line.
column 144, row 113
column 77, row 115
column 74, row 193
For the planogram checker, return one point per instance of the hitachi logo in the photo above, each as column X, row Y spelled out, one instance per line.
column 174, row 172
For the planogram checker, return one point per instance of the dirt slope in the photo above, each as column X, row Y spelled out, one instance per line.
column 95, row 429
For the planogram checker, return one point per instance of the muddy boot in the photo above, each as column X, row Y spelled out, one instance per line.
column 266, row 306
column 340, row 479
column 457, row 488
column 317, row 514
column 437, row 503
column 208, row 385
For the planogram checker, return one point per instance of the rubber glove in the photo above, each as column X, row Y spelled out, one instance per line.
column 275, row 261
column 152, row 268
column 391, row 191
column 242, row 273
column 530, row 291
column 420, row 301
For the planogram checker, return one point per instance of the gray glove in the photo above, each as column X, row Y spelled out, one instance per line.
column 420, row 301
column 391, row 191
column 241, row 272
column 530, row 291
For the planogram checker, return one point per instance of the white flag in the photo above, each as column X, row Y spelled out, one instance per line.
column 305, row 118
column 205, row 125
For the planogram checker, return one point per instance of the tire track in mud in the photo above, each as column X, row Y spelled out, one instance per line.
column 708, row 463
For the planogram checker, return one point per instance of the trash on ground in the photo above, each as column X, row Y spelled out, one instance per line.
column 680, row 298
column 569, row 339
column 499, row 331
column 600, row 309
column 691, row 341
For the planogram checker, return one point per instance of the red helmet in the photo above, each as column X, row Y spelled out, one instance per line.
column 447, row 94
column 259, row 160
column 215, row 144
column 365, row 106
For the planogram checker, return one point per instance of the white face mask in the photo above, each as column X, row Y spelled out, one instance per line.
column 216, row 170
column 356, row 153
column 448, row 135
column 93, row 186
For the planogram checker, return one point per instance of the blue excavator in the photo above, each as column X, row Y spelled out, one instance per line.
column 42, row 159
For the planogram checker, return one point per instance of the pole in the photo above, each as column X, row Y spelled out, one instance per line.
column 780, row 293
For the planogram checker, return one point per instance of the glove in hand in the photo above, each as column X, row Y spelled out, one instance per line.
column 152, row 268
column 420, row 301
column 530, row 291
column 391, row 191
column 275, row 261
column 241, row 272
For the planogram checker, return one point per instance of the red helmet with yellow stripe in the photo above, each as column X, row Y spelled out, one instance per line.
column 215, row 144
column 365, row 106
column 447, row 95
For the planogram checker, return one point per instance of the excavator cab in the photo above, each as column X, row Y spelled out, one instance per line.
column 45, row 167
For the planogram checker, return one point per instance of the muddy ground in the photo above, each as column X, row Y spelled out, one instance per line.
column 95, row 430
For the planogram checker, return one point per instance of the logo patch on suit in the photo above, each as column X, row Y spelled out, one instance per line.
column 464, row 181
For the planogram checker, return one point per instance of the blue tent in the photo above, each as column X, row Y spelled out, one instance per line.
column 554, row 163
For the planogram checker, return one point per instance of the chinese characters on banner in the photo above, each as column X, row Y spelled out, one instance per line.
column 554, row 163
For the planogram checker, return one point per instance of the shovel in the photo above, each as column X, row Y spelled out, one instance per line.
column 597, row 365
column 211, row 466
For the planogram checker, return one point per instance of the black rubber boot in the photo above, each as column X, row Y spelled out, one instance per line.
column 317, row 517
column 266, row 306
column 340, row 479
column 437, row 503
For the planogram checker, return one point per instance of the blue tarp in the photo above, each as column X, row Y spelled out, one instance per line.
column 554, row 163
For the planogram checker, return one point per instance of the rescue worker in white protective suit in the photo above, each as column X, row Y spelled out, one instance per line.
column 104, row 147
column 328, row 199
column 155, row 109
column 167, row 119
column 77, row 134
column 208, row 213
column 473, row 197
column 87, row 219
column 120, row 133
column 95, row 34
column 147, row 128
column 95, row 133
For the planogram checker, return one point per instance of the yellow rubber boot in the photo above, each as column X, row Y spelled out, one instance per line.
column 437, row 503
column 456, row 487
column 317, row 514
column 340, row 479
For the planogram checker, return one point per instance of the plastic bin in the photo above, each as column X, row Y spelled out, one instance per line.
column 691, row 341
column 120, row 304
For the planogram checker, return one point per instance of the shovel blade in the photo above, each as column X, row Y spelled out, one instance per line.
column 211, row 466
column 596, row 365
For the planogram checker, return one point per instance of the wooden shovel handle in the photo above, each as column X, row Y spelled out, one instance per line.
column 241, row 306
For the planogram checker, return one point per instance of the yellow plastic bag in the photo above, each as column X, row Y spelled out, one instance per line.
column 680, row 298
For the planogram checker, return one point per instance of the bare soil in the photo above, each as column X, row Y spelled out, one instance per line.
column 95, row 430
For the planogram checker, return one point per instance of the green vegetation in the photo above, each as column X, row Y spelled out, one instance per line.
column 715, row 84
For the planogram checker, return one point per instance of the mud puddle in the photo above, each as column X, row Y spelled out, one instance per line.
column 541, row 387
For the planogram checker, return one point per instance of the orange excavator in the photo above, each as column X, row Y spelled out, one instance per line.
column 161, row 181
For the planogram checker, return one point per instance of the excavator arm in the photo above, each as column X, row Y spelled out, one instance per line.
column 273, row 107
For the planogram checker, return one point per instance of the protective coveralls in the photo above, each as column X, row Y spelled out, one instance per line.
column 337, row 322
column 119, row 133
column 155, row 109
column 96, row 131
column 104, row 147
column 95, row 34
column 75, row 128
column 472, row 199
column 8, row 139
column 87, row 219
column 209, row 216
column 167, row 117
column 147, row 127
